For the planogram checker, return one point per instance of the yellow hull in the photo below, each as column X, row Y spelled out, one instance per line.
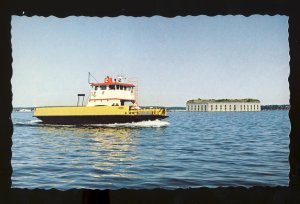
column 97, row 114
column 77, row 110
column 97, row 110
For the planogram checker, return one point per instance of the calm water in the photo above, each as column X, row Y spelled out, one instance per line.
column 185, row 150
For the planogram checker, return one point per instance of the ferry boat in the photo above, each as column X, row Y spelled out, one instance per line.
column 111, row 101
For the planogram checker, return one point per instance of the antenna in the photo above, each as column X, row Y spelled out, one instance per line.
column 120, row 78
column 90, row 75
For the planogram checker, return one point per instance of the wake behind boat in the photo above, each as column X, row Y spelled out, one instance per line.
column 112, row 101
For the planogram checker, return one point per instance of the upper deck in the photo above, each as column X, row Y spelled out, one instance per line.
column 112, row 92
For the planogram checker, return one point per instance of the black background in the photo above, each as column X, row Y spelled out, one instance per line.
column 171, row 8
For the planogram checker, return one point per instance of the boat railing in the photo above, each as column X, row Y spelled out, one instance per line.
column 148, row 111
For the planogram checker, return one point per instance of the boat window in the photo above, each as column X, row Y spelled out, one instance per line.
column 118, row 87
column 216, row 107
column 121, row 87
column 111, row 87
column 102, row 87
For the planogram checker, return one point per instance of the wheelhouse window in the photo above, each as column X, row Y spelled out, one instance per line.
column 102, row 87
column 111, row 87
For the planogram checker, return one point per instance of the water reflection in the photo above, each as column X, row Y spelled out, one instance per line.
column 108, row 151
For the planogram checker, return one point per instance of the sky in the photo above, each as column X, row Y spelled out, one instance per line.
column 173, row 59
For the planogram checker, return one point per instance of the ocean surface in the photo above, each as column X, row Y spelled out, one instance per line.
column 188, row 149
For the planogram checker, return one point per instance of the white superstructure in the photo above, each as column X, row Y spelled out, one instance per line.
column 112, row 92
